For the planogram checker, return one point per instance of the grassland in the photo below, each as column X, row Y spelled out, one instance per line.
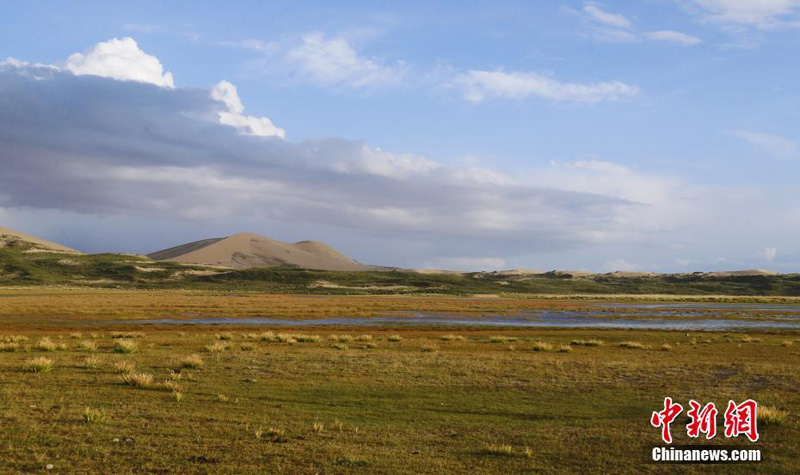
column 119, row 397
column 21, row 264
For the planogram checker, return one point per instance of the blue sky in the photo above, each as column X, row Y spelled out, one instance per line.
column 654, row 136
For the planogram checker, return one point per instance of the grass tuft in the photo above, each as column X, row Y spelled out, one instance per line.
column 632, row 345
column 769, row 415
column 587, row 342
column 194, row 361
column 124, row 367
column 504, row 450
column 93, row 416
column 38, row 365
column 125, row 347
column 91, row 362
column 542, row 346
column 138, row 380
column 46, row 344
column 87, row 345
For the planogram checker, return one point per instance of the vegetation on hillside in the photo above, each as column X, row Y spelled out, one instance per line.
column 23, row 264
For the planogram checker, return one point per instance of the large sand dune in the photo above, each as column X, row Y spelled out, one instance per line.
column 247, row 250
column 7, row 235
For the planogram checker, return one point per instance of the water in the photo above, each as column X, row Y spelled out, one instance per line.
column 567, row 319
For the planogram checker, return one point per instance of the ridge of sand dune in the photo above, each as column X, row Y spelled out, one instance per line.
column 8, row 234
column 248, row 250
column 743, row 272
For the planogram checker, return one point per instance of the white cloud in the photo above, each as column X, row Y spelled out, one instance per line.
column 597, row 14
column 757, row 13
column 120, row 59
column 233, row 115
column 617, row 28
column 775, row 145
column 333, row 62
column 478, row 85
column 769, row 254
column 673, row 37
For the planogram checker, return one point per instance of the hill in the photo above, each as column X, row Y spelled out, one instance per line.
column 247, row 250
column 10, row 238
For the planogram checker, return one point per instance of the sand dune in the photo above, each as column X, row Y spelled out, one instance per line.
column 247, row 250
column 7, row 235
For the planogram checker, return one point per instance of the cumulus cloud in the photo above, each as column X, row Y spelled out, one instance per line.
column 769, row 254
column 479, row 85
column 775, row 145
column 673, row 37
column 122, row 147
column 233, row 114
column 755, row 13
column 120, row 59
column 96, row 149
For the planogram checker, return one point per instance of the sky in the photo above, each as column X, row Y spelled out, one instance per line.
column 655, row 135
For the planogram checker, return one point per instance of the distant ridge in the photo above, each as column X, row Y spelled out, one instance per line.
column 248, row 250
column 9, row 235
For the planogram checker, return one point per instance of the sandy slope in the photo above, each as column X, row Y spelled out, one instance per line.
column 5, row 233
column 248, row 250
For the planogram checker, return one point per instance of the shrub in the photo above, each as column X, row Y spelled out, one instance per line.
column 666, row 347
column 395, row 338
column 225, row 336
column 364, row 338
column 317, row 427
column 429, row 348
column 38, row 365
column 223, row 398
column 564, row 349
column 340, row 346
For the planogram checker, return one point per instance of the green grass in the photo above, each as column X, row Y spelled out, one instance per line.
column 467, row 406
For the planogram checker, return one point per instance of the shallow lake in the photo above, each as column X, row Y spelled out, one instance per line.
column 655, row 318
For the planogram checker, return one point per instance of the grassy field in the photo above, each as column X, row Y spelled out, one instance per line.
column 21, row 264
column 119, row 397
